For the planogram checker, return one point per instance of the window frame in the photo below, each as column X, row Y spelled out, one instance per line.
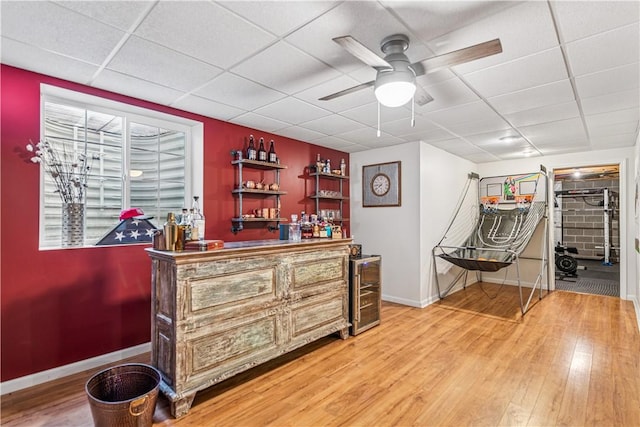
column 194, row 145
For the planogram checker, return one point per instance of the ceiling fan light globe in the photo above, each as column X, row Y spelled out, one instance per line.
column 395, row 94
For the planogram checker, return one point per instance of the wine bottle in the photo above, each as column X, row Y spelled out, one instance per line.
column 197, row 226
column 273, row 158
column 251, row 150
column 262, row 153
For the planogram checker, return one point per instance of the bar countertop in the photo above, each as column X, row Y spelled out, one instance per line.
column 262, row 246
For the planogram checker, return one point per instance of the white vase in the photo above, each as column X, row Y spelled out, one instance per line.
column 72, row 224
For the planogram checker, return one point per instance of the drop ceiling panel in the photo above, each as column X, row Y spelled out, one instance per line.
column 367, row 136
column 368, row 114
column 158, row 64
column 429, row 136
column 256, row 121
column 301, row 70
column 59, row 30
column 204, row 30
column 544, row 114
column 435, row 18
column 540, row 96
column 300, row 133
column 239, row 92
column 402, row 127
column 207, row 108
column 342, row 103
column 279, row 17
column 534, row 70
column 332, row 124
column 446, row 94
column 613, row 129
column 482, row 157
column 612, row 80
column 459, row 147
column 514, row 26
column 292, row 110
column 560, row 132
column 612, row 49
column 471, row 112
column 579, row 19
column 611, row 102
column 122, row 15
column 489, row 124
column 366, row 21
column 31, row 58
column 135, row 87
column 338, row 144
column 614, row 141
column 614, row 117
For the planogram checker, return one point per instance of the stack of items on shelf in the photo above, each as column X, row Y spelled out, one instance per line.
column 310, row 227
column 260, row 154
column 324, row 166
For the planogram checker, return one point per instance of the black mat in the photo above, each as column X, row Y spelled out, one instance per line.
column 591, row 286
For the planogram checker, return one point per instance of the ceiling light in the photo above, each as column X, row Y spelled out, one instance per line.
column 509, row 138
column 577, row 174
column 395, row 88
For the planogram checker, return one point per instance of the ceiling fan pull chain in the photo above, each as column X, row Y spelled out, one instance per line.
column 378, row 134
column 413, row 111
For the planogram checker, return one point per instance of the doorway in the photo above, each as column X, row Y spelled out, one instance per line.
column 587, row 229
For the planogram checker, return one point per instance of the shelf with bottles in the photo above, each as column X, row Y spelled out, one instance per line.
column 321, row 170
column 255, row 188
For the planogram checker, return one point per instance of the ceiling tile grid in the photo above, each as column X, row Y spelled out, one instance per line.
column 567, row 79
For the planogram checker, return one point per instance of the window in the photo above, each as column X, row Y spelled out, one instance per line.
column 137, row 158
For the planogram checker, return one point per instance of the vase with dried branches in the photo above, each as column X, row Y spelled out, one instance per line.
column 69, row 170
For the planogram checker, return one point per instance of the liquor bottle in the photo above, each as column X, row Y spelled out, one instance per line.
column 273, row 158
column 343, row 168
column 251, row 150
column 185, row 225
column 262, row 153
column 318, row 163
column 327, row 166
column 170, row 232
column 197, row 221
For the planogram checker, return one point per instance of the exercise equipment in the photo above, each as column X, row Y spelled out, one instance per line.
column 492, row 225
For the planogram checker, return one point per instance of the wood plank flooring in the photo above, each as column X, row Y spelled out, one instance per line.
column 572, row 360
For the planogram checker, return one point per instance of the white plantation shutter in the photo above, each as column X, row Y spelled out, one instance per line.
column 138, row 165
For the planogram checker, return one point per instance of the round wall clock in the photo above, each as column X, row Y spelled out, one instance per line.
column 381, row 184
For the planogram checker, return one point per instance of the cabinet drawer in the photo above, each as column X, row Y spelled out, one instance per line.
column 313, row 273
column 319, row 314
column 231, row 347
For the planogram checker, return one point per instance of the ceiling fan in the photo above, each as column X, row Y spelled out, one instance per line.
column 395, row 83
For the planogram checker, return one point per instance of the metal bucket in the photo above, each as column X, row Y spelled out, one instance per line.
column 124, row 396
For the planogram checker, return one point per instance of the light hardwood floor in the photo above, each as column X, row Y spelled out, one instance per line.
column 572, row 360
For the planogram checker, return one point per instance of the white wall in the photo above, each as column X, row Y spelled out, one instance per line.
column 624, row 157
column 634, row 293
column 431, row 183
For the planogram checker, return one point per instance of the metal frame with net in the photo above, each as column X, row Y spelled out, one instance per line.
column 492, row 225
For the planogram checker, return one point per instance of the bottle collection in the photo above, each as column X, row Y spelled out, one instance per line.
column 324, row 166
column 311, row 227
column 190, row 225
column 261, row 154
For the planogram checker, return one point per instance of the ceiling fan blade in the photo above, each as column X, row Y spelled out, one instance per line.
column 347, row 91
column 361, row 52
column 457, row 57
column 421, row 97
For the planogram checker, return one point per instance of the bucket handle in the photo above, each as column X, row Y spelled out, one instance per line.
column 139, row 406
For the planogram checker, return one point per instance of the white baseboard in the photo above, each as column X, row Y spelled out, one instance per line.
column 403, row 301
column 73, row 368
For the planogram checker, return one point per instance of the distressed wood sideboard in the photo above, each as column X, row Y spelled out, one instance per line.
column 218, row 313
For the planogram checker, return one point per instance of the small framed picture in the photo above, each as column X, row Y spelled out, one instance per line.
column 381, row 185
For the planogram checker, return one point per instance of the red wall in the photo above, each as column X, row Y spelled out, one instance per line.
column 62, row 306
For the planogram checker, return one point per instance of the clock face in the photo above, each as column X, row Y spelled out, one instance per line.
column 380, row 184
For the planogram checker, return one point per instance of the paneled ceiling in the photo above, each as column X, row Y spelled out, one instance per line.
column 567, row 80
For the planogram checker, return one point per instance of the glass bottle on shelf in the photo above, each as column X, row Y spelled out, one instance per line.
column 185, row 224
column 327, row 166
column 197, row 221
column 262, row 153
column 343, row 168
column 273, row 158
column 251, row 150
column 318, row 163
